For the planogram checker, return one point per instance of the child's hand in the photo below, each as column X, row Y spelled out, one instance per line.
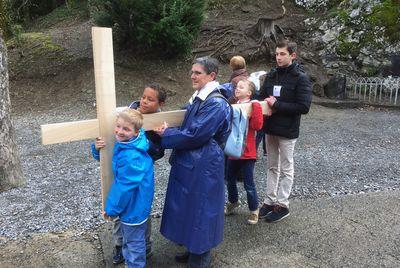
column 100, row 143
column 105, row 216
column 160, row 130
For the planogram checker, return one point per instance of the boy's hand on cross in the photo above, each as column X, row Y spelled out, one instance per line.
column 100, row 143
column 105, row 216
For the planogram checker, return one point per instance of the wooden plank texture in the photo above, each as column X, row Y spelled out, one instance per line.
column 103, row 58
column 70, row 131
column 89, row 129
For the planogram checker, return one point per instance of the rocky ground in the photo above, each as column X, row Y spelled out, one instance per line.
column 54, row 220
column 340, row 152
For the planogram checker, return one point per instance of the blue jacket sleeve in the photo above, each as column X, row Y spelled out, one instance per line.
column 95, row 153
column 200, row 129
column 130, row 172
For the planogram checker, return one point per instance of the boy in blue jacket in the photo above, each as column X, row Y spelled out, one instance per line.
column 131, row 194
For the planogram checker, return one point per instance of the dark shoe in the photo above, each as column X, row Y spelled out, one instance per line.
column 149, row 253
column 264, row 210
column 277, row 214
column 182, row 257
column 117, row 255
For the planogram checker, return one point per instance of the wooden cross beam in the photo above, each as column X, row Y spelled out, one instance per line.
column 103, row 126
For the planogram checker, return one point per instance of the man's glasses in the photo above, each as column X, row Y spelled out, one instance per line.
column 195, row 73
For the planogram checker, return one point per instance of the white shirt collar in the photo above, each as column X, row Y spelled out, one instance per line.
column 205, row 91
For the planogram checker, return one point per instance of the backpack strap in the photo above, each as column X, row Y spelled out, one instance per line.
column 217, row 94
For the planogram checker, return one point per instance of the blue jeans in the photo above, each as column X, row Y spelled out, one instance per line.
column 199, row 260
column 234, row 168
column 134, row 245
column 117, row 234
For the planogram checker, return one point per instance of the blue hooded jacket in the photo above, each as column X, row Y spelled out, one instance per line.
column 131, row 193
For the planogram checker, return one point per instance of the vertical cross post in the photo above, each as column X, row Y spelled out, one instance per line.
column 105, row 101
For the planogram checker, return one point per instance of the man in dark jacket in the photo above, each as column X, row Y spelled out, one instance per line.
column 193, row 213
column 287, row 90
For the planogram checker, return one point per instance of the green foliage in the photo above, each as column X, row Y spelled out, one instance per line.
column 6, row 18
column 375, row 28
column 22, row 12
column 76, row 10
column 167, row 27
column 370, row 71
column 387, row 17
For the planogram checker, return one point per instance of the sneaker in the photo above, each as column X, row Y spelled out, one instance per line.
column 230, row 208
column 277, row 214
column 253, row 218
column 264, row 210
column 117, row 255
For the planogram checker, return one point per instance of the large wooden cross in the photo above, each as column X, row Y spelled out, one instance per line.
column 103, row 126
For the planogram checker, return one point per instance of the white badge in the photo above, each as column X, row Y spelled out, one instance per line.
column 277, row 91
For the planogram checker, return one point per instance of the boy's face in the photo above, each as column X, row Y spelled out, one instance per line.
column 283, row 58
column 124, row 131
column 242, row 91
column 149, row 102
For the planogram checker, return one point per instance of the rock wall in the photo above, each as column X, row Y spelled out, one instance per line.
column 352, row 38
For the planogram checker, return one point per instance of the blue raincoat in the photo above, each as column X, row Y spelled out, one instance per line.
column 131, row 193
column 194, row 205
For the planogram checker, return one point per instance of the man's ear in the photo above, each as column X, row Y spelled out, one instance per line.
column 213, row 75
column 293, row 56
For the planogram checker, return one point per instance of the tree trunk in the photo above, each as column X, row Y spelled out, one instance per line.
column 10, row 165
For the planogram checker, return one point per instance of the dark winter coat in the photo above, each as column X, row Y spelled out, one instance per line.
column 193, row 213
column 294, row 100
column 155, row 151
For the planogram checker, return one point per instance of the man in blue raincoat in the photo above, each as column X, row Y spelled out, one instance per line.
column 193, row 213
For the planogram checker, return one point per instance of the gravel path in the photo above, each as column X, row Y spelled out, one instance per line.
column 339, row 152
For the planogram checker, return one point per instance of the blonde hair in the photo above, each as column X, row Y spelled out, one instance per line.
column 132, row 116
column 237, row 62
column 250, row 85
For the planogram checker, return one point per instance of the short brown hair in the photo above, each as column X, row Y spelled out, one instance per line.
column 237, row 62
column 132, row 116
column 291, row 46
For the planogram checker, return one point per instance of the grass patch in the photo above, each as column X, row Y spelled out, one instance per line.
column 35, row 53
column 63, row 15
column 218, row 4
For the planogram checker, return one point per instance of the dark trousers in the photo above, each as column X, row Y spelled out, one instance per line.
column 261, row 137
column 234, row 170
column 199, row 260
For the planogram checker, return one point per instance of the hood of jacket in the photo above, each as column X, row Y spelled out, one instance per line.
column 138, row 142
column 239, row 72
